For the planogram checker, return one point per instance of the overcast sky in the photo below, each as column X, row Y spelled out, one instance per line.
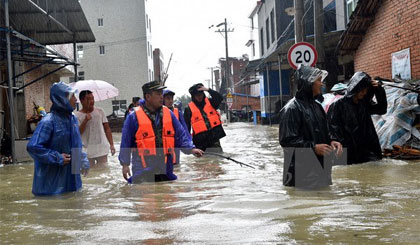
column 181, row 27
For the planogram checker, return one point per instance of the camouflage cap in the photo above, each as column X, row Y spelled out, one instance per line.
column 153, row 85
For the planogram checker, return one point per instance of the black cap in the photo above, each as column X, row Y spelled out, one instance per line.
column 150, row 86
column 194, row 88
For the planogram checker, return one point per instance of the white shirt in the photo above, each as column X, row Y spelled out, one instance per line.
column 94, row 139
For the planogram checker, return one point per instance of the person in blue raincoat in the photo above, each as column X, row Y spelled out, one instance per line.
column 148, row 166
column 168, row 101
column 56, row 146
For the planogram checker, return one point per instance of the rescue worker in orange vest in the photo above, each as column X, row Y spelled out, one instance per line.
column 202, row 117
column 168, row 101
column 153, row 133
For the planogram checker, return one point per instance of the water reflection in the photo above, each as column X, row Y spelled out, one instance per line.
column 217, row 201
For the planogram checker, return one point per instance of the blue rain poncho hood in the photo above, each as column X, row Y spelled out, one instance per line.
column 59, row 94
column 57, row 133
column 168, row 92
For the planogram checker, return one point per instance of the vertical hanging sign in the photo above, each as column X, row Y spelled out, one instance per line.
column 401, row 64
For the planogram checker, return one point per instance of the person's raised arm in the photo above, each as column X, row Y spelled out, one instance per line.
column 83, row 123
column 381, row 106
column 38, row 145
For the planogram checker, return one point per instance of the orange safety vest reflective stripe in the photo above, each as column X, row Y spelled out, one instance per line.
column 146, row 139
column 197, row 120
column 176, row 112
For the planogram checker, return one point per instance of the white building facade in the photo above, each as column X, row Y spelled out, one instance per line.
column 122, row 54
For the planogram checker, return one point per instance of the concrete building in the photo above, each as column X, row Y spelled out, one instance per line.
column 40, row 36
column 276, row 36
column 236, row 64
column 158, row 65
column 253, row 42
column 246, row 92
column 122, row 54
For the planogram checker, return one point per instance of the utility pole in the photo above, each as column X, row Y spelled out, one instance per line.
column 299, row 21
column 280, row 81
column 11, row 82
column 212, row 83
column 299, row 29
column 76, row 76
column 211, row 76
column 217, row 81
column 269, row 94
column 229, row 84
column 227, row 71
column 319, row 32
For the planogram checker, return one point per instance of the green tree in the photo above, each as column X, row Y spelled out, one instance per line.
column 183, row 100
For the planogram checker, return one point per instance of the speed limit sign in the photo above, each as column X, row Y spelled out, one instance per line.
column 302, row 53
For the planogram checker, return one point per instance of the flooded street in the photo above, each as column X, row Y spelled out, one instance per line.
column 217, row 201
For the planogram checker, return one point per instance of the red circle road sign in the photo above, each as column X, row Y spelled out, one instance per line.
column 302, row 53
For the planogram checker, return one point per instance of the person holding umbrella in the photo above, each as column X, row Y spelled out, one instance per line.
column 152, row 133
column 95, row 130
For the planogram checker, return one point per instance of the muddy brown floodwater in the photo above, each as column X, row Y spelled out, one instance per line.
column 216, row 201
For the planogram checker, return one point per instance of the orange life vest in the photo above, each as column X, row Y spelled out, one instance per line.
column 176, row 112
column 146, row 139
column 197, row 120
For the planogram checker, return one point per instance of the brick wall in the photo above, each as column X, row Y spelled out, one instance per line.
column 239, row 102
column 395, row 27
column 38, row 92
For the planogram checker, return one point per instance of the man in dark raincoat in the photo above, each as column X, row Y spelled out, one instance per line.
column 350, row 121
column 304, row 135
column 56, row 146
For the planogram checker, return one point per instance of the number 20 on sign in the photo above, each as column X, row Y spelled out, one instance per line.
column 302, row 53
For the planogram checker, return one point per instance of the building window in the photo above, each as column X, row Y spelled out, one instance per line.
column 100, row 22
column 272, row 26
column 147, row 21
column 101, row 49
column 150, row 25
column 253, row 49
column 81, row 75
column 119, row 107
column 79, row 51
column 262, row 40
column 351, row 5
column 252, row 23
column 267, row 32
